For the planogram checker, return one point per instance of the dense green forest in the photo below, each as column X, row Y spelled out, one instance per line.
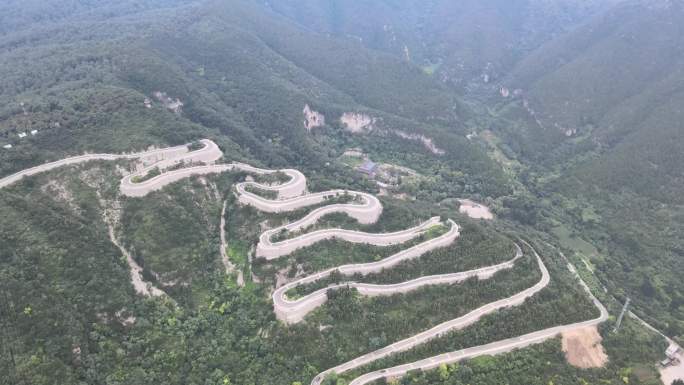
column 113, row 336
column 99, row 76
column 604, row 149
column 457, row 41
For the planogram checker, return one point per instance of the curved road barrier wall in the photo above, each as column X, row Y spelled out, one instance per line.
column 292, row 311
column 291, row 195
column 498, row 347
column 271, row 250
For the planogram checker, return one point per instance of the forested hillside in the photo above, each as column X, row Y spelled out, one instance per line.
column 610, row 79
column 17, row 15
column 409, row 88
column 83, row 77
column 234, row 73
column 584, row 103
column 607, row 135
column 458, row 41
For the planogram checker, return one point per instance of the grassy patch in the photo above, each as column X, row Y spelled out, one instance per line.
column 571, row 241
column 237, row 252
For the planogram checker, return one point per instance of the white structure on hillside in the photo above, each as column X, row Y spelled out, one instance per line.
column 672, row 356
column 22, row 135
column 7, row 146
column 672, row 351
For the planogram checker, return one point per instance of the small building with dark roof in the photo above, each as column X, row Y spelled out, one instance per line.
column 368, row 167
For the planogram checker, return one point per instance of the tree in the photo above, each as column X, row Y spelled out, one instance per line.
column 443, row 372
column 678, row 382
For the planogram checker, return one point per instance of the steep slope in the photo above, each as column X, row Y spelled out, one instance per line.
column 102, row 76
column 461, row 41
column 610, row 77
column 607, row 134
column 239, row 71
column 80, row 76
column 19, row 15
column 614, row 87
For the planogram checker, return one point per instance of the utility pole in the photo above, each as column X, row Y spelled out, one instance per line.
column 622, row 314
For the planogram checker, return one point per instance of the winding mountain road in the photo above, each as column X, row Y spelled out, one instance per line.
column 272, row 250
column 166, row 152
column 366, row 209
column 295, row 310
column 498, row 347
column 292, row 311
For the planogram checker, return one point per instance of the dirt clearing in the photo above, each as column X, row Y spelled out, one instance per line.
column 583, row 348
column 475, row 210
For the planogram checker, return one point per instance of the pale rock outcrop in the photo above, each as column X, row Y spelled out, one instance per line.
column 312, row 119
column 428, row 143
column 175, row 106
column 357, row 122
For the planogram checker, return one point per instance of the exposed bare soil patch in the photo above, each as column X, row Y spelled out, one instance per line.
column 475, row 210
column 61, row 193
column 428, row 143
column 169, row 103
column 583, row 348
column 674, row 371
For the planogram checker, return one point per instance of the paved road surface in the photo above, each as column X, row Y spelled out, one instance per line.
column 271, row 250
column 498, row 347
column 292, row 196
column 11, row 179
column 292, row 311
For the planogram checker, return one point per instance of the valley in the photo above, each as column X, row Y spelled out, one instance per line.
column 368, row 211
column 324, row 192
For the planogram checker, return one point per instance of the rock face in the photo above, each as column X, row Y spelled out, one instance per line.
column 175, row 106
column 357, row 122
column 312, row 119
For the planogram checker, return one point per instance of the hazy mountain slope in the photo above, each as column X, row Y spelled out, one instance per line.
column 608, row 97
column 62, row 80
column 239, row 70
column 79, row 72
column 374, row 79
column 618, row 83
column 461, row 40
column 17, row 15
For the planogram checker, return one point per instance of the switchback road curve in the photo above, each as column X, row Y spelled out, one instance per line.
column 366, row 208
column 268, row 249
column 292, row 311
column 493, row 348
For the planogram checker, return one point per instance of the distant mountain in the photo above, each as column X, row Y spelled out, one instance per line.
column 597, row 116
column 461, row 41
column 616, row 85
column 239, row 70
column 18, row 15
